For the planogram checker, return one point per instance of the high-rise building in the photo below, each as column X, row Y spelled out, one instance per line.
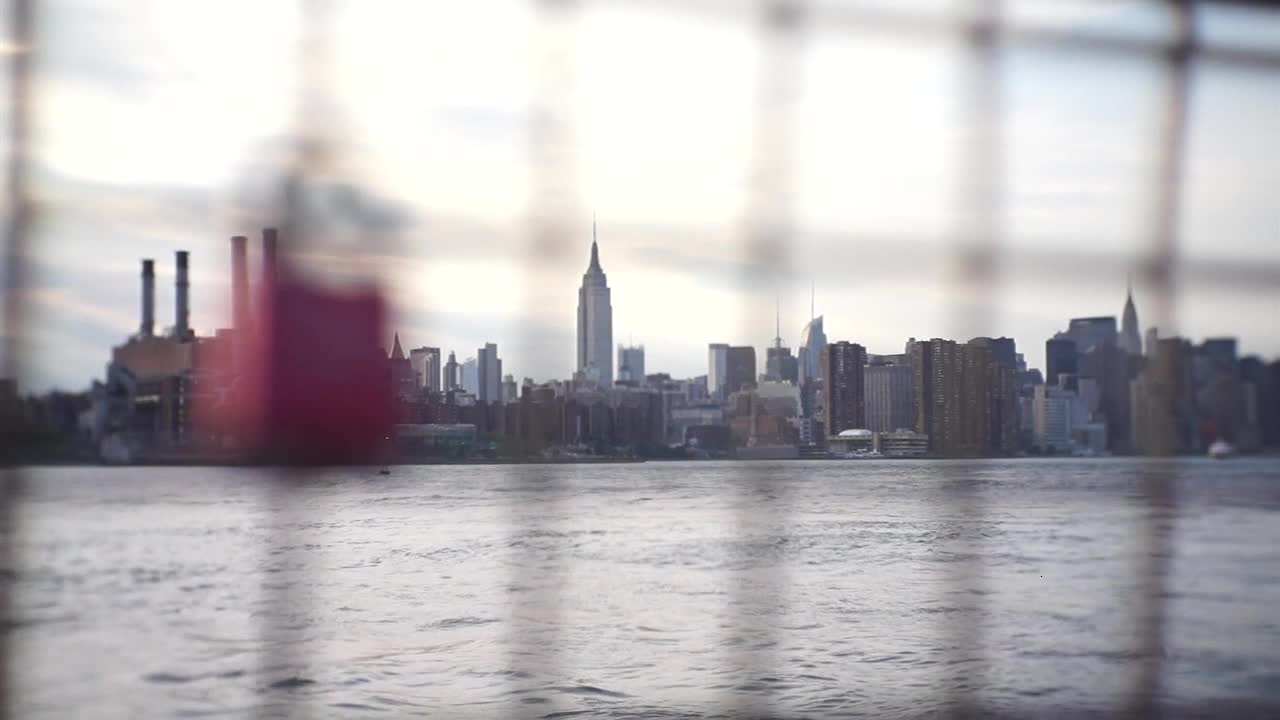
column 740, row 369
column 813, row 343
column 780, row 365
column 903, row 359
column 1111, row 368
column 1004, row 351
column 1162, row 404
column 631, row 363
column 1004, row 412
column 595, row 322
column 489, row 372
column 1060, row 358
column 470, row 377
column 432, row 379
column 510, row 391
column 889, row 397
column 1052, row 418
column 1130, row 335
column 426, row 367
column 402, row 376
column 717, row 366
column 452, row 373
column 1221, row 354
column 1149, row 346
column 1090, row 332
column 953, row 396
column 843, row 367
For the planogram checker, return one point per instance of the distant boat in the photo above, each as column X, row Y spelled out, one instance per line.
column 384, row 471
column 1221, row 449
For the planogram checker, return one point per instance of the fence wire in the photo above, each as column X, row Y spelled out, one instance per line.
column 978, row 259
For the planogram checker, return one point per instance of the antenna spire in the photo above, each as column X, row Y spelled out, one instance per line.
column 812, row 292
column 595, row 253
column 777, row 319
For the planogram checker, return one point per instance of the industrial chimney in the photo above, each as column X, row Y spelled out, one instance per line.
column 240, row 283
column 269, row 256
column 148, row 298
column 182, row 304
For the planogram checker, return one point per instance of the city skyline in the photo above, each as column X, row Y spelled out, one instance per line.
column 446, row 191
column 1124, row 324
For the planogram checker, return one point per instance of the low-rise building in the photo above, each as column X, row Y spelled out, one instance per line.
column 902, row 444
column 851, row 441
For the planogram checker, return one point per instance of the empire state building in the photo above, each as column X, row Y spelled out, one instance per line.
column 595, row 322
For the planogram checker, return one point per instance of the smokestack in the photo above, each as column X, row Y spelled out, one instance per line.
column 269, row 256
column 240, row 283
column 148, row 298
column 182, row 304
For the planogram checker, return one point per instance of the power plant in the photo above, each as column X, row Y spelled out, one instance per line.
column 143, row 409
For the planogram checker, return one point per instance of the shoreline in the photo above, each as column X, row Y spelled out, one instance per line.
column 174, row 463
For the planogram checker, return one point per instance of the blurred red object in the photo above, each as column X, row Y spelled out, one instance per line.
column 309, row 383
column 326, row 384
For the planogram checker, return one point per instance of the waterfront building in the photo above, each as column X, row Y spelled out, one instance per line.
column 902, row 444
column 889, row 395
column 1053, row 415
column 843, row 367
column 953, row 396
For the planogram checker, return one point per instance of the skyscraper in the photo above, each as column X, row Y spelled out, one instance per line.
column 1060, row 359
column 452, row 373
column 631, row 363
column 1162, row 403
column 1130, row 335
column 426, row 364
column 780, row 365
column 432, row 375
column 402, row 375
column 813, row 343
column 470, row 376
column 889, row 397
column 595, row 321
column 1004, row 414
column 717, row 365
column 1004, row 351
column 740, row 368
column 843, row 366
column 953, row 396
column 1090, row 332
column 1052, row 417
column 489, row 375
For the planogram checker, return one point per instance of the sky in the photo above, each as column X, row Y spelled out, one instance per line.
column 468, row 146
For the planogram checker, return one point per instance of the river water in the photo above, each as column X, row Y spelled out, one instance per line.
column 794, row 589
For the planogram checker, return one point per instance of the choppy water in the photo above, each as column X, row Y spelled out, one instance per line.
column 797, row 589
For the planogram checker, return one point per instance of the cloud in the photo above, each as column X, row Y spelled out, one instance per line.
column 169, row 125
